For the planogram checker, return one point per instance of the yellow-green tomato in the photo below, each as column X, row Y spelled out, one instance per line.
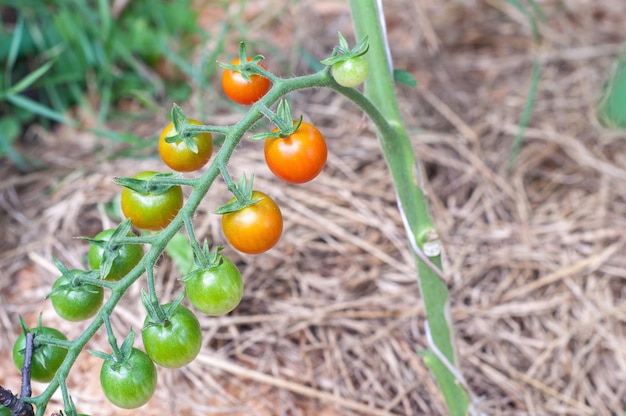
column 151, row 210
column 178, row 156
column 351, row 72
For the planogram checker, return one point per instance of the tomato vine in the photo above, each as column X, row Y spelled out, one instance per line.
column 252, row 223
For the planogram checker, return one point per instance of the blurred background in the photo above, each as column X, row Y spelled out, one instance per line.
column 517, row 119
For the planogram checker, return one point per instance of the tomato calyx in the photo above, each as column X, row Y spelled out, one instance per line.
column 159, row 315
column 286, row 125
column 247, row 67
column 185, row 131
column 75, row 279
column 120, row 355
column 342, row 52
column 40, row 336
column 157, row 184
column 242, row 191
column 111, row 246
column 205, row 259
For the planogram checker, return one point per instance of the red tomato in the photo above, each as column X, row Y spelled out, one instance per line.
column 297, row 158
column 241, row 91
column 255, row 228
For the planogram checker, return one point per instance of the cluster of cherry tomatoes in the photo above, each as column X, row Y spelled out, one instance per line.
column 171, row 333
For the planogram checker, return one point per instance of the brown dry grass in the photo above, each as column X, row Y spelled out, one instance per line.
column 331, row 317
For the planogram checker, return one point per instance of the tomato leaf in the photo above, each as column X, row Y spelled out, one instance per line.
column 404, row 77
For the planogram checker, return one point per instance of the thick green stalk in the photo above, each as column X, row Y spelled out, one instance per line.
column 396, row 146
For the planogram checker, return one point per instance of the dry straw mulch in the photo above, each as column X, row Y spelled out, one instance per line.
column 331, row 318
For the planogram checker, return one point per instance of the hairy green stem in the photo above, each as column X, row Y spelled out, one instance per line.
column 368, row 21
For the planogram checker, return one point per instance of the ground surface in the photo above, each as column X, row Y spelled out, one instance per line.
column 331, row 317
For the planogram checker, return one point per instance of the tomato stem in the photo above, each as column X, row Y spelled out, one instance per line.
column 111, row 338
column 369, row 21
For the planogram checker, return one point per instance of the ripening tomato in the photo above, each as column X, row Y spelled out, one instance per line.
column 125, row 256
column 241, row 91
column 351, row 72
column 215, row 290
column 178, row 156
column 255, row 228
column 174, row 342
column 152, row 210
column 299, row 157
column 129, row 384
column 46, row 358
column 75, row 301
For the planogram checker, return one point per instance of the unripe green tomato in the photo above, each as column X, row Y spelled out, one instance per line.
column 130, row 384
column 351, row 72
column 46, row 358
column 175, row 342
column 76, row 302
column 215, row 290
column 127, row 256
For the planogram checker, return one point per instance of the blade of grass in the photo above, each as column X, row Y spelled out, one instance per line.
column 30, row 79
column 528, row 109
column 533, row 17
column 35, row 107
column 612, row 107
column 16, row 41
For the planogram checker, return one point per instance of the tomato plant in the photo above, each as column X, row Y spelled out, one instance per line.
column 152, row 209
column 4, row 411
column 351, row 72
column 299, row 157
column 216, row 289
column 125, row 256
column 73, row 300
column 185, row 155
column 46, row 358
column 175, row 341
column 242, row 91
column 255, row 228
column 130, row 383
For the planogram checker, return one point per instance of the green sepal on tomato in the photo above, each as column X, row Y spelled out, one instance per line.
column 114, row 260
column 174, row 339
column 47, row 358
column 150, row 205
